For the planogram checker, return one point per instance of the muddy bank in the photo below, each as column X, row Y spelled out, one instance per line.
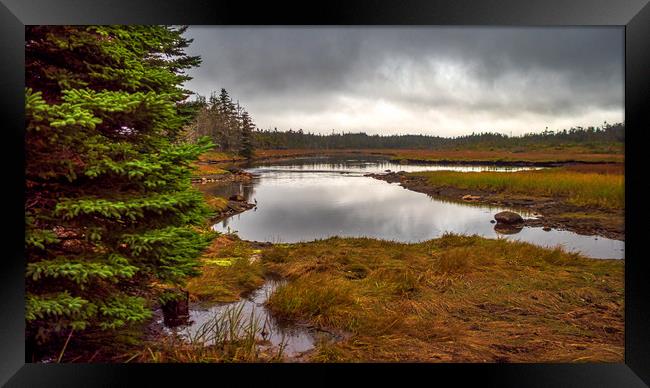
column 232, row 175
column 555, row 213
column 232, row 207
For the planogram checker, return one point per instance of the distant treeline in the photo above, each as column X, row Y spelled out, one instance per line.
column 608, row 134
column 232, row 129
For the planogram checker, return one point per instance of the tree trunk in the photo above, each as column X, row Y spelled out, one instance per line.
column 176, row 312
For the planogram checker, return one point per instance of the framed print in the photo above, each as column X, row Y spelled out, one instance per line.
column 211, row 189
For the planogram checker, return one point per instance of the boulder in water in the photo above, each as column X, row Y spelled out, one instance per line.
column 508, row 218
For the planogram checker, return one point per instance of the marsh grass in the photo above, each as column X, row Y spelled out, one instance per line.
column 215, row 203
column 452, row 299
column 228, row 326
column 226, row 272
column 202, row 169
column 299, row 300
column 541, row 155
column 578, row 188
column 219, row 156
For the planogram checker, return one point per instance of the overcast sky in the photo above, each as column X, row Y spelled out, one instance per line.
column 445, row 81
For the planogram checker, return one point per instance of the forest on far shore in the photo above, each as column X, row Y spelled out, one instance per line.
column 232, row 129
column 597, row 137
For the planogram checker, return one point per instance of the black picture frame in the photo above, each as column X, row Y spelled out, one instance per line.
column 633, row 14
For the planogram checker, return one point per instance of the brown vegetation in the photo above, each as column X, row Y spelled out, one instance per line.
column 453, row 299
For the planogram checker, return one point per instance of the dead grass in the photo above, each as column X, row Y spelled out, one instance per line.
column 219, row 156
column 216, row 204
column 582, row 188
column 202, row 169
column 454, row 299
column 562, row 155
column 608, row 169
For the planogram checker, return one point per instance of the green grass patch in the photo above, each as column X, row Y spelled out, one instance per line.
column 226, row 272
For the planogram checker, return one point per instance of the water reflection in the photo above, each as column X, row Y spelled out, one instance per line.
column 507, row 229
column 368, row 164
column 316, row 199
column 250, row 315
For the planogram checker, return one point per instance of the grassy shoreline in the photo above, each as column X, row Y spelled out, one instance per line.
column 450, row 299
column 533, row 157
column 578, row 188
column 454, row 299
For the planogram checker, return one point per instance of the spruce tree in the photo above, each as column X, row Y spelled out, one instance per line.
column 247, row 127
column 109, row 205
column 228, row 118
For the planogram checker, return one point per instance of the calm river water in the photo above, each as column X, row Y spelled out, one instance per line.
column 316, row 198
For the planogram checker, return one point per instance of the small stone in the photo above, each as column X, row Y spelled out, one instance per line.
column 546, row 229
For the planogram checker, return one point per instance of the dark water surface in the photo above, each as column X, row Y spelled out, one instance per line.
column 316, row 198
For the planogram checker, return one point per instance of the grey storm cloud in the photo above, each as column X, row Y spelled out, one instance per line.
column 436, row 80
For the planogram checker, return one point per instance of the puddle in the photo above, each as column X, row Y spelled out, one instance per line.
column 250, row 315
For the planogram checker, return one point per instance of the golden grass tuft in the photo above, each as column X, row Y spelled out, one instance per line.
column 320, row 298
